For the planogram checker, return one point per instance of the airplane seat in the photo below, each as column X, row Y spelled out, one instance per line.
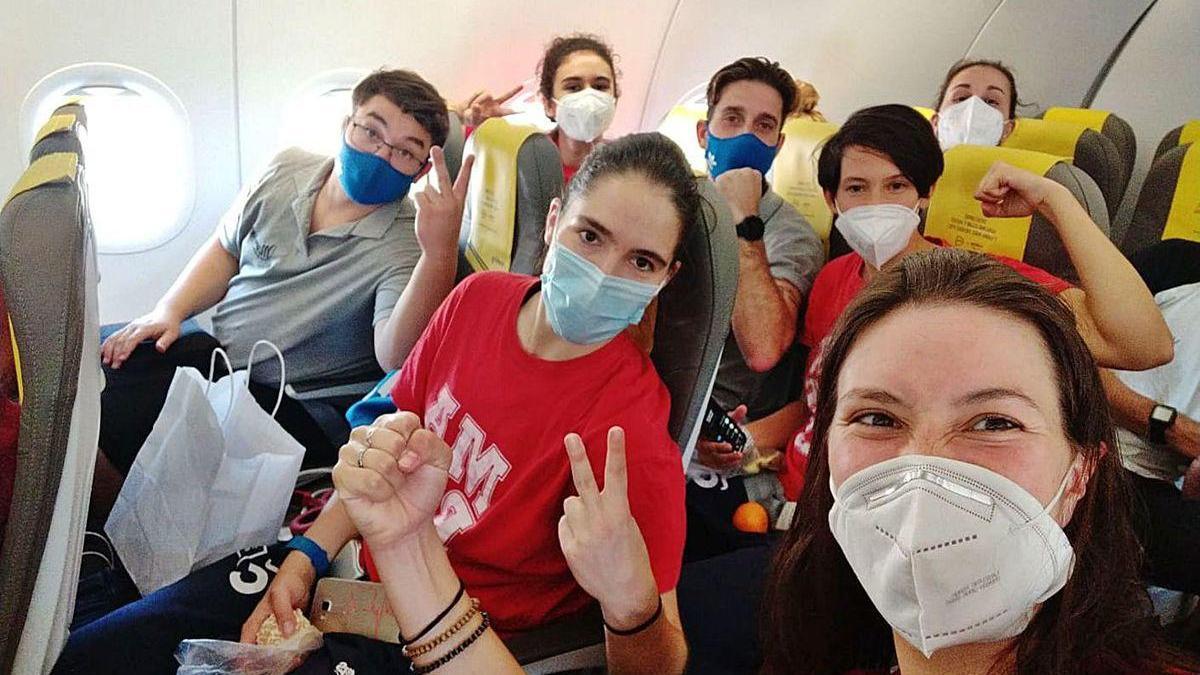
column 63, row 132
column 1188, row 132
column 1168, row 206
column 956, row 217
column 795, row 172
column 456, row 141
column 927, row 113
column 1112, row 127
column 1087, row 149
column 694, row 315
column 517, row 173
column 48, row 277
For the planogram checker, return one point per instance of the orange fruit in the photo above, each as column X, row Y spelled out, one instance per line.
column 751, row 517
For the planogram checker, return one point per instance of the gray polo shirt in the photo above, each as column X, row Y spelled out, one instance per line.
column 795, row 254
column 316, row 296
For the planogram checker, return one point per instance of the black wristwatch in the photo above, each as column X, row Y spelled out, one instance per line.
column 1161, row 419
column 751, row 228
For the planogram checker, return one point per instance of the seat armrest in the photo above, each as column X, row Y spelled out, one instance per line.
column 348, row 389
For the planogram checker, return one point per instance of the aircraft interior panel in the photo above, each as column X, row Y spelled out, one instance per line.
column 184, row 104
column 189, row 48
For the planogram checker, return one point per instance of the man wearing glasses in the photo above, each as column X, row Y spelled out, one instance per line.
column 322, row 256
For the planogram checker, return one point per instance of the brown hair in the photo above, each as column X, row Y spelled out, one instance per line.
column 412, row 94
column 971, row 63
column 816, row 616
column 565, row 45
column 757, row 69
column 651, row 155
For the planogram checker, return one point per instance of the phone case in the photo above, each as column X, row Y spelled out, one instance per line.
column 717, row 426
column 351, row 606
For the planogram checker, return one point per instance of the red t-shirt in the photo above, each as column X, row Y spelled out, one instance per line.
column 505, row 414
column 568, row 173
column 834, row 288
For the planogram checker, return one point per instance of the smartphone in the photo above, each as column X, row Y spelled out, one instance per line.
column 352, row 606
column 718, row 426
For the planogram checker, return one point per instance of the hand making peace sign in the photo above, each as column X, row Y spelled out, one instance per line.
column 440, row 206
column 482, row 106
column 600, row 539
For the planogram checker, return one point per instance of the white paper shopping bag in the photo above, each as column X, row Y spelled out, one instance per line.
column 214, row 476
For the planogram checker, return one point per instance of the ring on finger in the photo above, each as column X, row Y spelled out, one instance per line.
column 359, row 460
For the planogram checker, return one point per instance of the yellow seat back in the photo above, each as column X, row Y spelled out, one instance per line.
column 59, row 167
column 1051, row 137
column 1183, row 220
column 927, row 113
column 680, row 126
column 56, row 124
column 1092, row 119
column 493, row 193
column 795, row 172
column 956, row 217
column 1190, row 133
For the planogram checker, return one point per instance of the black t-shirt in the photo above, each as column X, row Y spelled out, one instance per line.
column 1167, row 264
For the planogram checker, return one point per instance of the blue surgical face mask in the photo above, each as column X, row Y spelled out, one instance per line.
column 371, row 179
column 738, row 152
column 586, row 306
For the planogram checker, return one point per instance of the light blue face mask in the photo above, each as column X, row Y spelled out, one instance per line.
column 586, row 306
column 738, row 152
column 370, row 179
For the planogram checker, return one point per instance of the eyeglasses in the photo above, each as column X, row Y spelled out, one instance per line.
column 368, row 139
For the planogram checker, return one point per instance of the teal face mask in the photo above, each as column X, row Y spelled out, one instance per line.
column 586, row 306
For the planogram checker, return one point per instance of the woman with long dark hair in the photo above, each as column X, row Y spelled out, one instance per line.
column 963, row 509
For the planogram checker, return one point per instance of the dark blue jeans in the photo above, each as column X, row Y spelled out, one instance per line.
column 212, row 602
column 718, row 606
column 1169, row 527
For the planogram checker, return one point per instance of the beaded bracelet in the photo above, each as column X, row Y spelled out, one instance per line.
column 412, row 652
column 457, row 596
column 449, row 656
column 640, row 627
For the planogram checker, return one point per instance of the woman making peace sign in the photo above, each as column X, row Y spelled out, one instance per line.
column 470, row 483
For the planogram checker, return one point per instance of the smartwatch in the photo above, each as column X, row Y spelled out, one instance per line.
column 1161, row 419
column 751, row 228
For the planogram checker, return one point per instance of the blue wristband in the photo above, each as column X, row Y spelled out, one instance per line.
column 310, row 548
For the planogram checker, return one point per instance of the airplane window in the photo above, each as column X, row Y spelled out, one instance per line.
column 137, row 152
column 316, row 119
column 679, row 124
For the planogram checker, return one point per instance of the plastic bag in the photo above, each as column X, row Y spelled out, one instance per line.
column 220, row 657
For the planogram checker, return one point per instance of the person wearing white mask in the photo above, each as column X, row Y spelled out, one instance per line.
column 976, row 105
column 577, row 80
column 878, row 171
column 966, row 511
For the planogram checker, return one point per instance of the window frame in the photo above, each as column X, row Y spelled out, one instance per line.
column 52, row 90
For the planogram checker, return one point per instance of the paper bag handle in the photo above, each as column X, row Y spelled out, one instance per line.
column 212, row 369
column 282, row 370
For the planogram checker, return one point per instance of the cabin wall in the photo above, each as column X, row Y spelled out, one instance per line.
column 238, row 67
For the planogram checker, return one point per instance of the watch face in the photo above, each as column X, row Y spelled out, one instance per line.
column 1162, row 413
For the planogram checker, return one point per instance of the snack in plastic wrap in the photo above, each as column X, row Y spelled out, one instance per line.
column 273, row 655
column 269, row 634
